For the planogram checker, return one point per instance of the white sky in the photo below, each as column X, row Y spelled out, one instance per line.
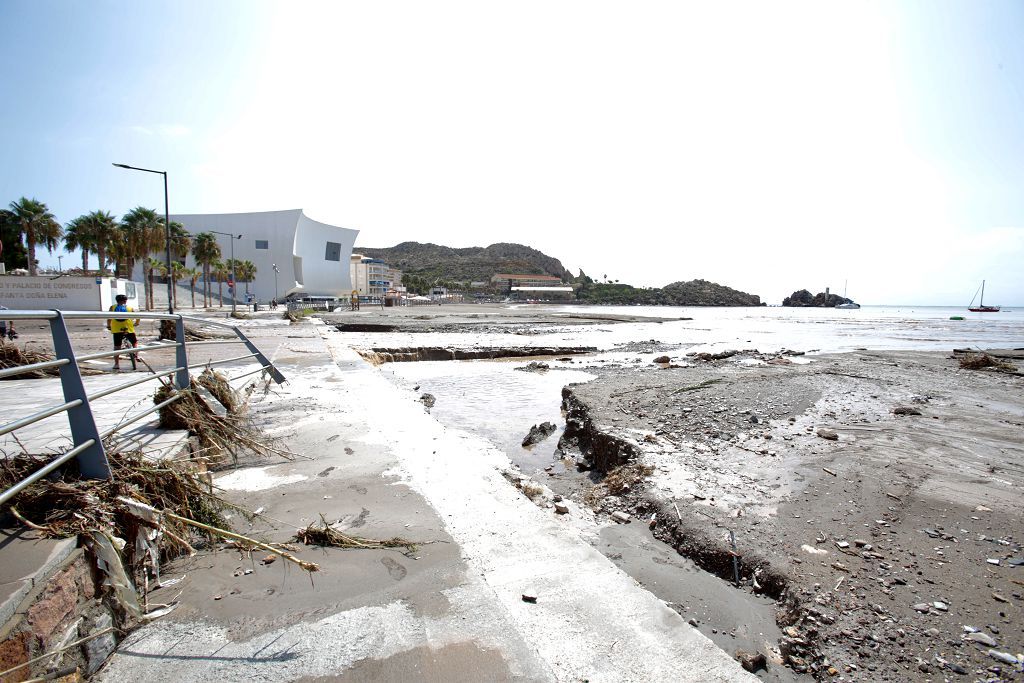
column 765, row 146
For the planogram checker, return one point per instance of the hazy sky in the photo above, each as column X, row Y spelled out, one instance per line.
column 765, row 146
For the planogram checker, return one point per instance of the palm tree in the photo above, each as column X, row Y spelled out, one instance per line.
column 181, row 240
column 206, row 251
column 193, row 274
column 143, row 233
column 178, row 271
column 91, row 232
column 221, row 271
column 14, row 254
column 246, row 272
column 38, row 226
column 155, row 266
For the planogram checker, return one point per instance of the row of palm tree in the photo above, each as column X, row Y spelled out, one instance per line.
column 138, row 234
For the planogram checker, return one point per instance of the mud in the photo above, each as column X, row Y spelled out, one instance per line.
column 879, row 546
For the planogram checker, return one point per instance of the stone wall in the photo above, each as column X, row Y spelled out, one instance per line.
column 63, row 608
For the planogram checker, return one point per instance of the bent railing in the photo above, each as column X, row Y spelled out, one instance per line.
column 87, row 439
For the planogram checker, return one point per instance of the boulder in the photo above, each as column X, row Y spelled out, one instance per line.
column 538, row 433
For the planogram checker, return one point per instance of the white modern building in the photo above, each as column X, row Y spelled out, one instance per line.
column 312, row 258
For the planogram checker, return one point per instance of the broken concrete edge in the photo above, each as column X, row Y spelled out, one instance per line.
column 604, row 451
column 65, row 606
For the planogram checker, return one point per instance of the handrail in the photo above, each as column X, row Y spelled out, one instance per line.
column 45, row 470
column 22, row 369
column 221, row 362
column 119, row 387
column 135, row 418
column 41, row 415
column 88, row 441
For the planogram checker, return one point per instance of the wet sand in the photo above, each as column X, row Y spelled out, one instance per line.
column 881, row 545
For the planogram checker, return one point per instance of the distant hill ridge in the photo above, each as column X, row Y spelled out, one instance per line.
column 469, row 264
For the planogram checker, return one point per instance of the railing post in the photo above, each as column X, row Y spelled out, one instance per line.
column 92, row 462
column 267, row 365
column 181, row 378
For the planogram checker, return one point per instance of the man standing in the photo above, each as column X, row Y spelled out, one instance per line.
column 123, row 328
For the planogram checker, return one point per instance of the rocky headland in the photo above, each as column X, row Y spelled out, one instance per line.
column 803, row 298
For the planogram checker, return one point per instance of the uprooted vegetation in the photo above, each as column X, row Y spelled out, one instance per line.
column 325, row 535
column 979, row 361
column 224, row 436
column 13, row 356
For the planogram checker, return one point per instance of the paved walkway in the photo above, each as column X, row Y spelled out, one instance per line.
column 373, row 459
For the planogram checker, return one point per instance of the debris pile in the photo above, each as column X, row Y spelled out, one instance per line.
column 323, row 534
column 223, row 438
column 978, row 361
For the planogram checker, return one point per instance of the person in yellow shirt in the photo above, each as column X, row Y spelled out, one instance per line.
column 123, row 328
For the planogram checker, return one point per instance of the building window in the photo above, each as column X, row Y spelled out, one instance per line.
column 262, row 244
column 333, row 251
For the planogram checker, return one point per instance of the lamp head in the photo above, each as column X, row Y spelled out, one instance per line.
column 122, row 165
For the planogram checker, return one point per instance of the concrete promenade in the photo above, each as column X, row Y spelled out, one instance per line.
column 372, row 458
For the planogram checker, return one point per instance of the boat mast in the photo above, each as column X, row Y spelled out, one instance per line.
column 982, row 302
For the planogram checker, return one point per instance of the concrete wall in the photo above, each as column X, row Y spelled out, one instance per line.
column 44, row 292
column 296, row 243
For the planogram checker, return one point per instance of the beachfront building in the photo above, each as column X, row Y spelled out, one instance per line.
column 532, row 286
column 311, row 257
column 372, row 278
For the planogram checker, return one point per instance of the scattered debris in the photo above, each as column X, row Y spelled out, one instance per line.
column 324, row 534
column 530, row 596
column 428, row 400
column 977, row 361
column 534, row 366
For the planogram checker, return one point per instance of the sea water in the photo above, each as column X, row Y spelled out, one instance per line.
column 492, row 399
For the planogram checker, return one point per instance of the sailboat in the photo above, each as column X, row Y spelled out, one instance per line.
column 981, row 307
column 849, row 305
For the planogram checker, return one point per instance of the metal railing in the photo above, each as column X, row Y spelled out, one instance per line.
column 86, row 437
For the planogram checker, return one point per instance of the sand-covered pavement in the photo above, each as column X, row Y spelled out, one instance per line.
column 375, row 462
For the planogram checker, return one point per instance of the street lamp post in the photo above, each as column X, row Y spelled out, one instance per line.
column 234, row 281
column 60, row 263
column 167, row 229
column 276, row 271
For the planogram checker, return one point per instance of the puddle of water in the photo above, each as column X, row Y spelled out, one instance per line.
column 488, row 398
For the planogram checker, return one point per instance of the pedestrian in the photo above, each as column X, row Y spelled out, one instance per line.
column 7, row 326
column 122, row 328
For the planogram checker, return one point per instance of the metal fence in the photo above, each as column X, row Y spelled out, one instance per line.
column 86, row 437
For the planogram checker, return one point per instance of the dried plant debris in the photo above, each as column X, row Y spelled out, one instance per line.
column 217, row 384
column 65, row 505
column 13, row 356
column 978, row 361
column 223, row 438
column 323, row 534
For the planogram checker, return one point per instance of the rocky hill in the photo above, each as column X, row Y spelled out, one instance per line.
column 704, row 293
column 803, row 298
column 692, row 293
column 469, row 264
